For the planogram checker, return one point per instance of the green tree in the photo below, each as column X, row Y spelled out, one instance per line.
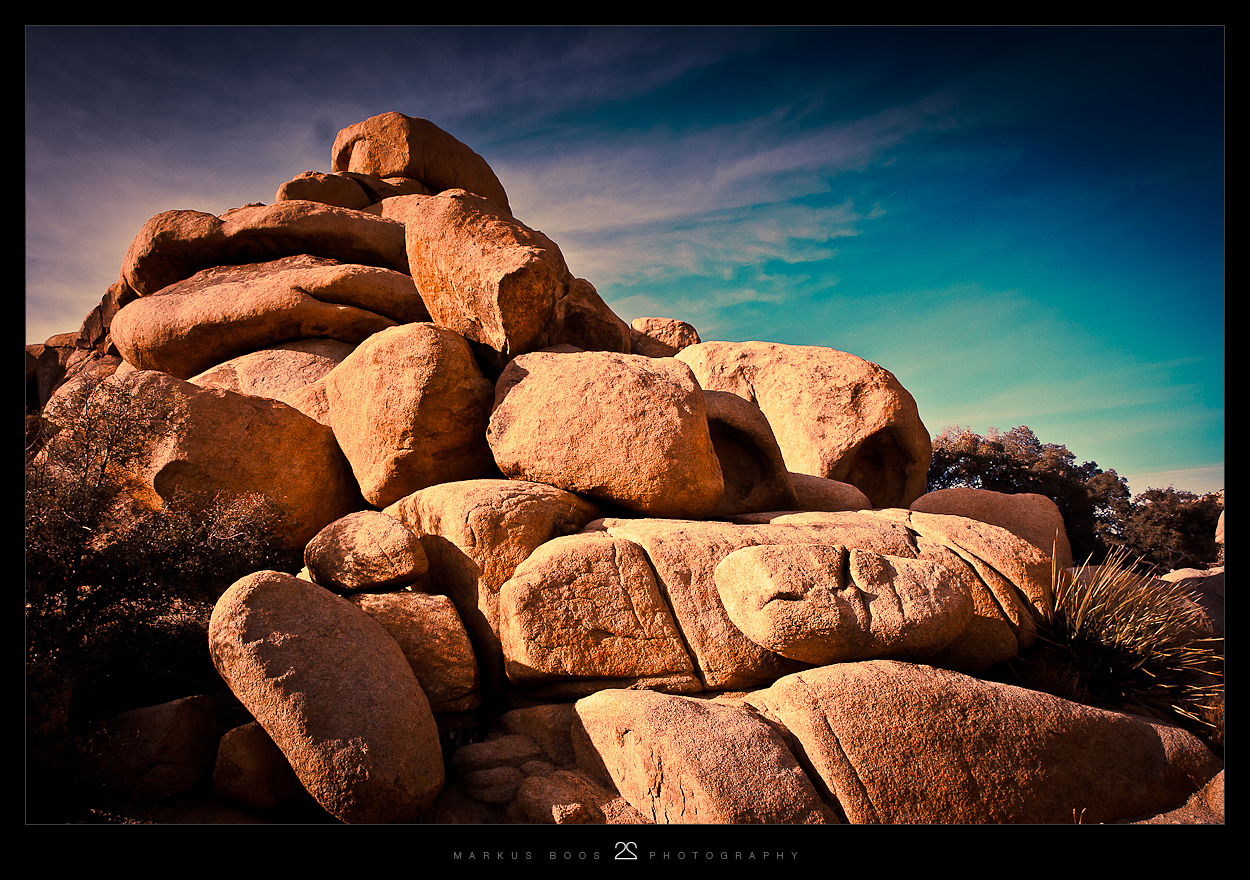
column 1091, row 500
column 1170, row 529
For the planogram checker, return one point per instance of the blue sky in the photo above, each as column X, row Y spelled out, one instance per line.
column 1026, row 226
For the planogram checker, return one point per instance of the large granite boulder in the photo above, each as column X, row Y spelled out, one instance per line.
column 584, row 612
column 429, row 632
column 475, row 533
column 817, row 493
column 900, row 743
column 661, row 337
column 624, row 428
column 175, row 245
column 483, row 274
column 1007, row 577
column 283, row 372
column 585, row 321
column 1035, row 518
column 409, row 408
column 835, row 415
column 679, row 760
column 754, row 470
column 347, row 190
column 754, row 601
column 334, row 692
column 685, row 554
column 203, row 443
column 365, row 551
column 825, row 603
column 221, row 313
column 395, row 145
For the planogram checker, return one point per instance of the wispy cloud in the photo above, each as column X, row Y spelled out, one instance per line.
column 706, row 202
column 670, row 176
column 1199, row 480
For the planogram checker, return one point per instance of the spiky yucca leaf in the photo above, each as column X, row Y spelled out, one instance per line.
column 1115, row 638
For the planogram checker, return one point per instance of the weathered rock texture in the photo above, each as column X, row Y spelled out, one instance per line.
column 587, row 608
column 623, row 428
column 661, row 337
column 475, row 533
column 750, row 459
column 395, row 145
column 824, row 603
column 899, row 743
column 221, row 313
column 429, row 632
column 177, row 244
column 226, row 445
column 683, row 761
column 409, row 408
column 334, row 692
column 1035, row 518
column 367, row 551
column 483, row 274
column 835, row 415
column 800, row 588
column 282, row 372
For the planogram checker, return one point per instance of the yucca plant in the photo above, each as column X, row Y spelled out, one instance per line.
column 1122, row 641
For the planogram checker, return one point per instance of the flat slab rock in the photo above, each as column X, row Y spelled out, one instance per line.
column 227, row 311
column 903, row 743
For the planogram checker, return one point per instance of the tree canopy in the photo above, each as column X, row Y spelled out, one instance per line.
column 1173, row 529
column 1165, row 527
column 1092, row 501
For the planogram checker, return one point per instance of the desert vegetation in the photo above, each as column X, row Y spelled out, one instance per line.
column 1119, row 640
column 118, row 597
column 1163, row 529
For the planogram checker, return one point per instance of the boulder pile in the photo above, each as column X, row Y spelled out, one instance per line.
column 610, row 572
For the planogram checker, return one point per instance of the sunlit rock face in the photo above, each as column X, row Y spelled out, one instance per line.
column 175, row 245
column 825, row 603
column 221, row 313
column 395, row 145
column 622, row 428
column 835, row 415
column 409, row 408
column 902, row 743
column 354, row 724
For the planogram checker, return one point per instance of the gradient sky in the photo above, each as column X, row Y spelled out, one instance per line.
column 1024, row 225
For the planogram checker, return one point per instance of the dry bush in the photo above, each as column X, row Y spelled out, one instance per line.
column 117, row 597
